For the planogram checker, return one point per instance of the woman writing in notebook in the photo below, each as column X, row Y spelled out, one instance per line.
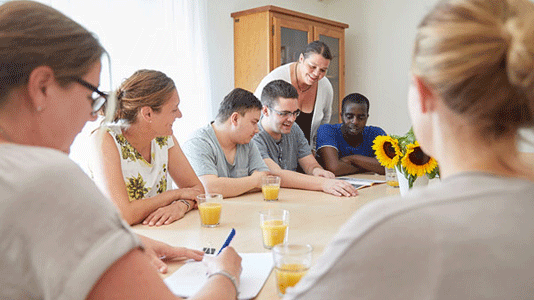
column 60, row 237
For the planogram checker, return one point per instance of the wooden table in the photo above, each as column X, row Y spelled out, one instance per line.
column 315, row 217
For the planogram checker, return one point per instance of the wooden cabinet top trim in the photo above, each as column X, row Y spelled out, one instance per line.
column 280, row 10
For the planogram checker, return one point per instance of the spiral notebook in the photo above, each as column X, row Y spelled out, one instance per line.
column 188, row 280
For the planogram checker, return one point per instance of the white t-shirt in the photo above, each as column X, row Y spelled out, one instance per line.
column 470, row 236
column 58, row 233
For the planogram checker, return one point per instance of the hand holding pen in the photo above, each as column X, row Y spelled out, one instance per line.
column 228, row 263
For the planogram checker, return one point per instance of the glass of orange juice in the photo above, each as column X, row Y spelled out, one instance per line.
column 291, row 263
column 274, row 225
column 270, row 187
column 209, row 208
column 391, row 177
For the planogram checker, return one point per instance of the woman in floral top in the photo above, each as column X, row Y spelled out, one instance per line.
column 138, row 152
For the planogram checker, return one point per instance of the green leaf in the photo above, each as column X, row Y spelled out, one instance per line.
column 411, row 180
column 434, row 173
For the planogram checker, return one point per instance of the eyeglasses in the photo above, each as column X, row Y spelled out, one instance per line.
column 285, row 113
column 98, row 97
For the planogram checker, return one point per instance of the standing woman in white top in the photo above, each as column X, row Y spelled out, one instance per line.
column 139, row 151
column 316, row 94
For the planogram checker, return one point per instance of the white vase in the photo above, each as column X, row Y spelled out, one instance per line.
column 403, row 182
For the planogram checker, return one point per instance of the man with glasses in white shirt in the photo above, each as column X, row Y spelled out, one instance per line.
column 283, row 146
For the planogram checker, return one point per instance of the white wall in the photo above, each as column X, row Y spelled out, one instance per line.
column 378, row 47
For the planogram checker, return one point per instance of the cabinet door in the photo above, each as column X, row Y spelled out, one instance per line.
column 335, row 39
column 290, row 38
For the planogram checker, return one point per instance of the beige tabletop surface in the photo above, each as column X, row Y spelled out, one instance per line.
column 315, row 217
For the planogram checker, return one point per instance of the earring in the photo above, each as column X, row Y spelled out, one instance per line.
column 39, row 108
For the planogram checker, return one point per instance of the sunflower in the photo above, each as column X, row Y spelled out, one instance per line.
column 416, row 162
column 387, row 151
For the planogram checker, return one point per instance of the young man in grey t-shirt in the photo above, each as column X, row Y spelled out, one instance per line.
column 283, row 146
column 221, row 153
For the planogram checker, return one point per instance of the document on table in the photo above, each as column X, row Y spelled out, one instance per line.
column 359, row 183
column 188, row 280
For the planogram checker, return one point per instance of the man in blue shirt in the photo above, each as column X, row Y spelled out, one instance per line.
column 346, row 148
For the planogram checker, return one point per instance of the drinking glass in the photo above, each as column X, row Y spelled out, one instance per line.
column 291, row 263
column 209, row 208
column 391, row 177
column 274, row 225
column 270, row 187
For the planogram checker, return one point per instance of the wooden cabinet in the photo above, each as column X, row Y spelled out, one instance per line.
column 269, row 36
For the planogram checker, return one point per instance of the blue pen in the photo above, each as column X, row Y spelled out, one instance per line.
column 228, row 240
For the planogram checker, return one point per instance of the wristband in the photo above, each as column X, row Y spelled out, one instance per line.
column 186, row 203
column 229, row 276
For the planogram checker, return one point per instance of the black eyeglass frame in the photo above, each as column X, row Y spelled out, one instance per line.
column 286, row 114
column 99, row 101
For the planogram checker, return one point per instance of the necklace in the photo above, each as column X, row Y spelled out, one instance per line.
column 6, row 136
column 297, row 78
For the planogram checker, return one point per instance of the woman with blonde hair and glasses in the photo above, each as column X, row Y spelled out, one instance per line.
column 469, row 236
column 60, row 238
column 138, row 152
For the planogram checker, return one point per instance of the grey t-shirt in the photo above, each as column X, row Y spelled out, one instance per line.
column 58, row 233
column 470, row 236
column 287, row 151
column 207, row 157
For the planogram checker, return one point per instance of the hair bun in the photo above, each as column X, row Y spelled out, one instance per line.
column 520, row 56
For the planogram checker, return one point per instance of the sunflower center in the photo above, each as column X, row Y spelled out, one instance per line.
column 418, row 157
column 389, row 150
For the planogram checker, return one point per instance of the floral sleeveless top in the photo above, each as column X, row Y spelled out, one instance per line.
column 143, row 179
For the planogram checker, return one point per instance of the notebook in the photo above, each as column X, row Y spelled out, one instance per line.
column 188, row 280
column 360, row 183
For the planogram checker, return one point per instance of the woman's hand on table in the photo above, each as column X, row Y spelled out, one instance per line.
column 339, row 188
column 167, row 214
column 158, row 251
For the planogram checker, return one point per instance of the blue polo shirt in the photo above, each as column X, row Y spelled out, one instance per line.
column 329, row 135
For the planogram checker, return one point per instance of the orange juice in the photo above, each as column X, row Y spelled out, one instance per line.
column 288, row 275
column 210, row 213
column 392, row 183
column 274, row 232
column 270, row 192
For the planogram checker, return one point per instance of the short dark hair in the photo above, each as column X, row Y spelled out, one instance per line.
column 238, row 100
column 317, row 47
column 356, row 99
column 276, row 89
